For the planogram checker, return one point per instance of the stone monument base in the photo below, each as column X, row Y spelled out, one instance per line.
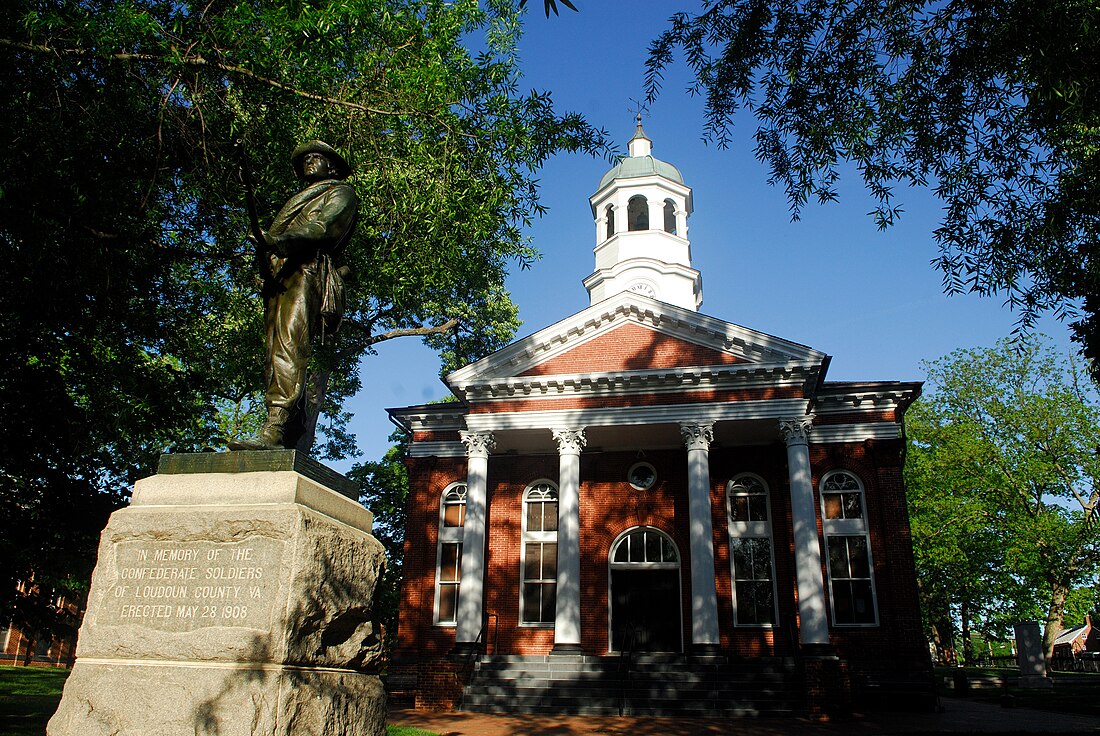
column 231, row 602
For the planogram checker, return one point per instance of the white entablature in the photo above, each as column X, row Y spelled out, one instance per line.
column 641, row 210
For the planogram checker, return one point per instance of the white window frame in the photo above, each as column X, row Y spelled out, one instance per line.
column 751, row 530
column 535, row 537
column 836, row 529
column 448, row 535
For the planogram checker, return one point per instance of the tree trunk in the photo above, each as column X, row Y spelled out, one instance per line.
column 1056, row 612
column 942, row 634
column 968, row 646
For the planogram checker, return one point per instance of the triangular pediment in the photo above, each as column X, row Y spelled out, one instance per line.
column 631, row 333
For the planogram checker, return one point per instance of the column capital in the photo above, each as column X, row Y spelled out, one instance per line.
column 478, row 444
column 697, row 436
column 796, row 431
column 570, row 441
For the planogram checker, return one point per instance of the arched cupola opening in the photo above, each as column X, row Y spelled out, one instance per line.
column 637, row 213
column 609, row 215
column 670, row 216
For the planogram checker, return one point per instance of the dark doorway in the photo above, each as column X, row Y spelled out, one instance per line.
column 645, row 610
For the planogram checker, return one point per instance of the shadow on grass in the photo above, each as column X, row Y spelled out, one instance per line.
column 28, row 697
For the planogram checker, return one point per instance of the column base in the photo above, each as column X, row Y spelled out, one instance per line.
column 706, row 650
column 567, row 649
column 466, row 648
column 819, row 651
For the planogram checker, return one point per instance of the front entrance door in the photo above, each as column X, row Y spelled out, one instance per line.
column 645, row 593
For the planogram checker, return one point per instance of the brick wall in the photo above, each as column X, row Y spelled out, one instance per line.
column 631, row 347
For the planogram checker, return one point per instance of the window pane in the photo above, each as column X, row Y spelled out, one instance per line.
column 842, row 601
column 534, row 516
column 739, row 508
column 668, row 552
column 758, row 508
column 761, row 560
column 450, row 562
column 549, row 561
column 863, row 606
column 550, row 516
column 622, row 551
column 637, row 546
column 532, row 603
column 549, row 601
column 532, row 562
column 448, row 600
column 454, row 514
column 838, row 557
column 652, row 548
column 833, row 509
column 853, row 506
column 858, row 558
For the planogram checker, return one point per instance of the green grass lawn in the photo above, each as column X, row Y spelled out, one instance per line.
column 29, row 696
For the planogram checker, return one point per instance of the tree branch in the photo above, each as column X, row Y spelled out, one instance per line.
column 197, row 61
column 413, row 331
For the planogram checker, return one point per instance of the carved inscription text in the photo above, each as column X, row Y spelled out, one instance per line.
column 181, row 586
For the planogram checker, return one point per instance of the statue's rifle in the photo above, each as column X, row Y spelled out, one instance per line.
column 253, row 218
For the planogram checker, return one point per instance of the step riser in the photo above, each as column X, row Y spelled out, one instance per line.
column 669, row 685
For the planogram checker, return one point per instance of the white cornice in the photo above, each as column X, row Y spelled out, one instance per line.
column 855, row 432
column 883, row 396
column 633, row 415
column 653, row 381
column 437, row 449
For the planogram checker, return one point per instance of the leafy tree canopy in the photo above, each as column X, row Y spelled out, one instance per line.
column 133, row 323
column 995, row 106
column 1004, row 481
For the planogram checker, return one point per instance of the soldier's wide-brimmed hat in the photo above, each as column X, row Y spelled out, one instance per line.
column 343, row 168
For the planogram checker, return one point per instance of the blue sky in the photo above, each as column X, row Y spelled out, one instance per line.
column 832, row 281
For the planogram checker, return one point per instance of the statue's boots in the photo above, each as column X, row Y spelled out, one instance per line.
column 270, row 436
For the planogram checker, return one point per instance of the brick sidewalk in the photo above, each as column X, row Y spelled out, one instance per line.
column 959, row 716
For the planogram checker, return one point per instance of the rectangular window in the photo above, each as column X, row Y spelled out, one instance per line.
column 540, row 574
column 450, row 574
column 754, row 591
column 850, row 574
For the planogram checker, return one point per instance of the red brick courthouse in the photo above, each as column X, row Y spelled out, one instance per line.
column 642, row 508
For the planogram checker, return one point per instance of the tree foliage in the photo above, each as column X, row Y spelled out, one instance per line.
column 994, row 106
column 133, row 323
column 1003, row 473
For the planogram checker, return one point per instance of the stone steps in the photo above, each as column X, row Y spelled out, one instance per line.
column 652, row 685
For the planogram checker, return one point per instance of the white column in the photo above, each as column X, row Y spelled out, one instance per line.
column 704, row 596
column 814, row 622
column 567, row 614
column 469, row 617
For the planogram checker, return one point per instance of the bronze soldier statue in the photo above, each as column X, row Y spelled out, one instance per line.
column 303, row 291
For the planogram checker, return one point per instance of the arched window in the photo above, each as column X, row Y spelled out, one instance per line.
column 752, row 566
column 645, row 547
column 452, row 517
column 540, row 554
column 848, row 546
column 609, row 215
column 637, row 213
column 670, row 216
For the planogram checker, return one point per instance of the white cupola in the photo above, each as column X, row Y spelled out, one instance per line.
column 641, row 210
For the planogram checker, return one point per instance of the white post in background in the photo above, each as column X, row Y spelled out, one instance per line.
column 567, row 613
column 814, row 621
column 704, row 596
column 468, row 620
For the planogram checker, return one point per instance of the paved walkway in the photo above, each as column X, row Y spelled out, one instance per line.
column 958, row 716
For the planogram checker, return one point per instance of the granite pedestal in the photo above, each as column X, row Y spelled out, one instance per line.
column 234, row 596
